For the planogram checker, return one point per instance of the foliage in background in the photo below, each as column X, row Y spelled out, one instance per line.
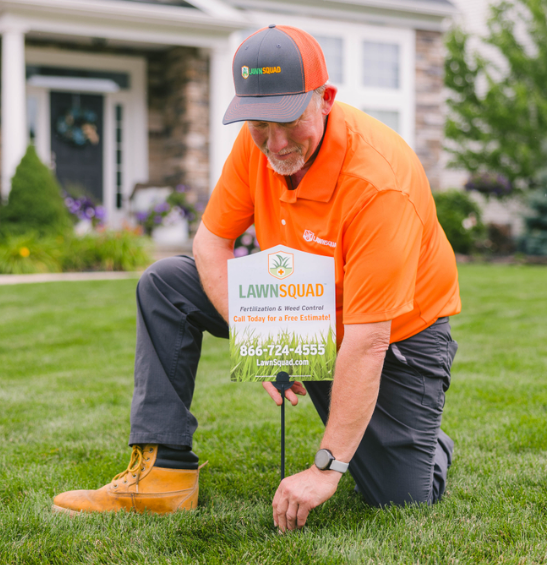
column 106, row 251
column 534, row 241
column 35, row 203
column 498, row 116
column 82, row 208
column 489, row 184
column 26, row 254
column 176, row 205
column 460, row 218
column 246, row 243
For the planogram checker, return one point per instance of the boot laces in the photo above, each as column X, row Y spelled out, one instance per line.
column 135, row 466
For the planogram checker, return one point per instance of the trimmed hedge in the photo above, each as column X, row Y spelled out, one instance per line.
column 460, row 219
column 35, row 202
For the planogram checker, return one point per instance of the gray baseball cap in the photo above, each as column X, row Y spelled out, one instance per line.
column 275, row 73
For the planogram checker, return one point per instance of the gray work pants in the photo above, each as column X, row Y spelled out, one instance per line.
column 403, row 457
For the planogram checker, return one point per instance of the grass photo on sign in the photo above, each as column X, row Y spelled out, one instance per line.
column 257, row 359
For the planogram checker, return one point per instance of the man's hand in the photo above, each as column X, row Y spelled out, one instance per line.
column 290, row 394
column 300, row 493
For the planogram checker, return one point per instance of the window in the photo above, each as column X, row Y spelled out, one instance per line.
column 380, row 64
column 388, row 117
column 32, row 117
column 333, row 48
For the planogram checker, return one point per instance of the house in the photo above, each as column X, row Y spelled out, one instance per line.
column 119, row 92
column 472, row 16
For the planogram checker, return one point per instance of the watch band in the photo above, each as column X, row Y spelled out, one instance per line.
column 339, row 466
column 330, row 464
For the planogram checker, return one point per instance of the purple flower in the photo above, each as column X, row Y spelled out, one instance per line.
column 141, row 216
column 247, row 239
column 90, row 212
column 181, row 188
column 241, row 252
column 68, row 202
column 158, row 219
column 100, row 213
column 163, row 207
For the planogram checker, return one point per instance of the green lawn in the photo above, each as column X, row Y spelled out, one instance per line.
column 66, row 356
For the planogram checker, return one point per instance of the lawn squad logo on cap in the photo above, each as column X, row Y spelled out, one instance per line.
column 275, row 72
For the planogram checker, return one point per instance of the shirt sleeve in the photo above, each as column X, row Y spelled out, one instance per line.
column 382, row 250
column 230, row 210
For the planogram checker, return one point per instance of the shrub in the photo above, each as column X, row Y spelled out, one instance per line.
column 108, row 251
column 534, row 242
column 460, row 219
column 26, row 254
column 35, row 203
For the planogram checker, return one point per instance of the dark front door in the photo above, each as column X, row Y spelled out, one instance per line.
column 77, row 141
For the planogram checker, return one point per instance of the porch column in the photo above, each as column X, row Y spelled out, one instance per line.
column 222, row 91
column 14, row 126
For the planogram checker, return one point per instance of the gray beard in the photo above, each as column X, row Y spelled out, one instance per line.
column 287, row 168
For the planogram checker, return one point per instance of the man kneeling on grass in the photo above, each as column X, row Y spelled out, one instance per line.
column 303, row 164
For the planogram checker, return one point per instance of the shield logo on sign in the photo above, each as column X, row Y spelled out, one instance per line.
column 281, row 264
column 245, row 72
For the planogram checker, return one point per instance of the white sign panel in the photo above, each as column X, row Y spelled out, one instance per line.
column 282, row 307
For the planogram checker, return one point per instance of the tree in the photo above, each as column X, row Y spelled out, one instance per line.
column 35, row 203
column 498, row 113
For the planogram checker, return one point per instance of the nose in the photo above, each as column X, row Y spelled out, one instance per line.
column 277, row 138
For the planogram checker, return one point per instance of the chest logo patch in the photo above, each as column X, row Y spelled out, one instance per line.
column 309, row 236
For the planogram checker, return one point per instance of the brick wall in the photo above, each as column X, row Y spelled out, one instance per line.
column 178, row 100
column 429, row 103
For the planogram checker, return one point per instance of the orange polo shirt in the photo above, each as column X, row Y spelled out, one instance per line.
column 365, row 201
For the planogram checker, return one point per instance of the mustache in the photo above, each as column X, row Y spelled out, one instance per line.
column 285, row 151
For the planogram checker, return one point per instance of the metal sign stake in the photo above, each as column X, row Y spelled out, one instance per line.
column 282, row 383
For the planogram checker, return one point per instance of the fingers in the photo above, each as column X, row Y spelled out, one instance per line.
column 273, row 392
column 290, row 394
column 299, row 389
column 302, row 516
column 280, row 505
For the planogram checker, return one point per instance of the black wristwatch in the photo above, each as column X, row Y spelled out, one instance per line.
column 325, row 461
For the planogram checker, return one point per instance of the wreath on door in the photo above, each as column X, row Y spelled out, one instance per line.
column 78, row 127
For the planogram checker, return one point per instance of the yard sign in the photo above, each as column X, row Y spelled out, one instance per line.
column 282, row 307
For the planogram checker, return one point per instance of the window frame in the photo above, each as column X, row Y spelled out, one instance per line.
column 352, row 91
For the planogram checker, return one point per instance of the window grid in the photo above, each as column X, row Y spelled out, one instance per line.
column 333, row 49
column 390, row 118
column 381, row 67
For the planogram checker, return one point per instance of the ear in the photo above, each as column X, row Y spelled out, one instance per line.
column 328, row 99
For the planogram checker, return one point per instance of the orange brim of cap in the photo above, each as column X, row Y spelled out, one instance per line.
column 281, row 108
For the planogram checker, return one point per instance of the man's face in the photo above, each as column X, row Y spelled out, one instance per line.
column 289, row 146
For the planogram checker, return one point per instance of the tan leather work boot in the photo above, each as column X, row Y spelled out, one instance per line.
column 141, row 487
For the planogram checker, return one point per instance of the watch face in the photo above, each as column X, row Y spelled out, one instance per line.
column 323, row 459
